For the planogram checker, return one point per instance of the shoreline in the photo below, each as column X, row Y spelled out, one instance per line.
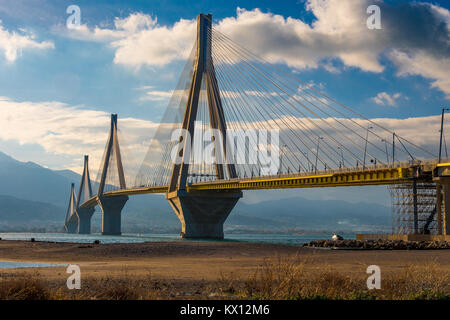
column 318, row 244
column 75, row 251
column 206, row 269
column 139, row 238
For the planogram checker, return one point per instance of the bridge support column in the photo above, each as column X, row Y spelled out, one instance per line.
column 84, row 220
column 443, row 212
column 202, row 214
column 439, row 207
column 112, row 214
column 446, row 211
column 72, row 225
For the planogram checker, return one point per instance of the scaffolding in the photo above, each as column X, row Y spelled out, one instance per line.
column 414, row 208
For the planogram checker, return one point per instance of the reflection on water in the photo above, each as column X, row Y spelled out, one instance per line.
column 10, row 265
column 136, row 238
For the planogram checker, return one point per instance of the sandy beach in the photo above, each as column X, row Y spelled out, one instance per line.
column 185, row 264
column 205, row 260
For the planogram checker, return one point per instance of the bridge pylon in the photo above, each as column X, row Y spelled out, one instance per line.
column 71, row 222
column 112, row 207
column 202, row 214
column 84, row 193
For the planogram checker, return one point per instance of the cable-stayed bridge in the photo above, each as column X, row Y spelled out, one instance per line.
column 237, row 122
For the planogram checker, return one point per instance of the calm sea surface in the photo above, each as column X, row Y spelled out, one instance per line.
column 10, row 265
column 135, row 238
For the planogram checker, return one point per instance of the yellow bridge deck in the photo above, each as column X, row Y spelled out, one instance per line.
column 366, row 177
column 338, row 178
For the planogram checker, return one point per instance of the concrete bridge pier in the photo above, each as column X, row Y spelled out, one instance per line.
column 72, row 225
column 84, row 220
column 443, row 204
column 202, row 214
column 112, row 214
column 443, row 212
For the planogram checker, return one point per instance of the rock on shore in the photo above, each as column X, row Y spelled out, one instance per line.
column 379, row 244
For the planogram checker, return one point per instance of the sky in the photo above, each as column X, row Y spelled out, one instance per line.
column 58, row 85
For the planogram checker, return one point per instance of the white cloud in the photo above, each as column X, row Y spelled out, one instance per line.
column 228, row 94
column 339, row 32
column 423, row 131
column 135, row 23
column 12, row 43
column 69, row 130
column 126, row 27
column 73, row 131
column 426, row 65
column 384, row 98
column 157, row 95
column 328, row 65
column 443, row 13
column 156, row 46
column 139, row 40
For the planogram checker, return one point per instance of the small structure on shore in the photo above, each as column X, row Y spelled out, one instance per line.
column 336, row 237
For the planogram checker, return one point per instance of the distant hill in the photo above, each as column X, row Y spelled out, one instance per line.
column 70, row 175
column 153, row 211
column 32, row 195
column 18, row 214
column 29, row 181
column 315, row 215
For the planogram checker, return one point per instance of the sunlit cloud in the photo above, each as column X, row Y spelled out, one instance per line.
column 13, row 43
column 339, row 32
column 386, row 99
column 62, row 129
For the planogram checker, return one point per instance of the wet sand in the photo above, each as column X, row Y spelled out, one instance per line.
column 201, row 261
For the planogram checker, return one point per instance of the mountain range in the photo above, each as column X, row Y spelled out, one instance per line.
column 35, row 198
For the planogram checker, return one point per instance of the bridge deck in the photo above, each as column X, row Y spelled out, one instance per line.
column 356, row 178
column 403, row 172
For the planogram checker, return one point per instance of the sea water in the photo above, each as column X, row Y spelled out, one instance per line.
column 286, row 239
column 11, row 264
column 137, row 238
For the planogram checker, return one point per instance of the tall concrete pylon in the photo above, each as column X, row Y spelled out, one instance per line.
column 84, row 193
column 202, row 214
column 112, row 207
column 71, row 222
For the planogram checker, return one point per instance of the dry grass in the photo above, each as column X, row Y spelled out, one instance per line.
column 280, row 278
column 425, row 281
column 298, row 279
column 24, row 288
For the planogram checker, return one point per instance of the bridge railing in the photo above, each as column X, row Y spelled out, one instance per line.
column 367, row 168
